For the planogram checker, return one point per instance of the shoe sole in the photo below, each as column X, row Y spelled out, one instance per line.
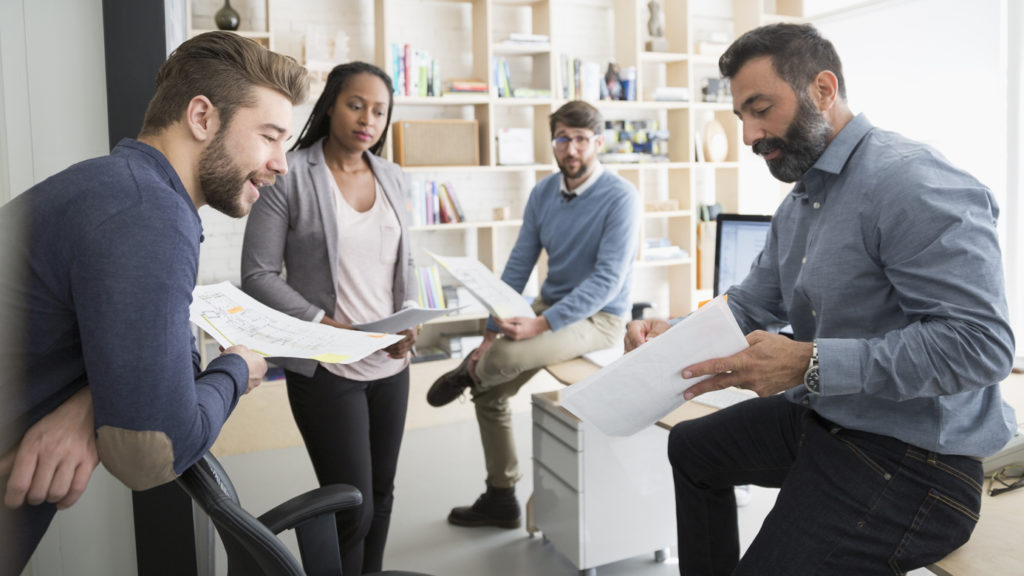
column 432, row 400
column 481, row 523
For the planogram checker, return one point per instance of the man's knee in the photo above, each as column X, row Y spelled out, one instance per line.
column 679, row 444
column 499, row 359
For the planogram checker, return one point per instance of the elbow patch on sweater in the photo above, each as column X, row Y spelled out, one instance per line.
column 142, row 459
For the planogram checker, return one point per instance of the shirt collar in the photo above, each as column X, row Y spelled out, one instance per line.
column 843, row 145
column 839, row 150
column 598, row 171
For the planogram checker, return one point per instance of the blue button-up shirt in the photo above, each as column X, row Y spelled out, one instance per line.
column 888, row 256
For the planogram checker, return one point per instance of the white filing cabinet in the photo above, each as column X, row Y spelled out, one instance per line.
column 600, row 499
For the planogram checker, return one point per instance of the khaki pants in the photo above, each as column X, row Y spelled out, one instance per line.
column 508, row 364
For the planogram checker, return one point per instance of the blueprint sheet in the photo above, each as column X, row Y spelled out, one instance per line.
column 232, row 317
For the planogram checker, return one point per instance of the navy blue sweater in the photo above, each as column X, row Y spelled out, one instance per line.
column 109, row 254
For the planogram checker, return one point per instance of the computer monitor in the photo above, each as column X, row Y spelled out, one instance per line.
column 739, row 238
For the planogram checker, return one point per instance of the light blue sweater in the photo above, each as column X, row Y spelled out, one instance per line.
column 591, row 243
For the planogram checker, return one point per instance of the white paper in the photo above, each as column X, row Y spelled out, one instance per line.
column 499, row 298
column 643, row 386
column 404, row 319
column 232, row 317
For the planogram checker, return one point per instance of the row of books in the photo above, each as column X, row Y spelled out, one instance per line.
column 414, row 72
column 581, row 79
column 503, row 82
column 502, row 77
column 430, row 293
column 434, row 202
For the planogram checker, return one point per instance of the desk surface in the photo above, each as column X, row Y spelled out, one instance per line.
column 993, row 549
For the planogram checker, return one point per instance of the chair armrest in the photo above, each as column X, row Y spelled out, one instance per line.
column 323, row 500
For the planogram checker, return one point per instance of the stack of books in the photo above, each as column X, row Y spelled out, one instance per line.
column 414, row 72
column 428, row 281
column 662, row 249
column 461, row 86
column 432, row 202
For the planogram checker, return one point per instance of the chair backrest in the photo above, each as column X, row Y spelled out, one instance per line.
column 251, row 548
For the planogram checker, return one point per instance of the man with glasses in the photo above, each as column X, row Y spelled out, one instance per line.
column 586, row 220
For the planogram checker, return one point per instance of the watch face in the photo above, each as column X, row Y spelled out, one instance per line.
column 811, row 380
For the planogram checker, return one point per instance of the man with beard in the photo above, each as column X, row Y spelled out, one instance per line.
column 586, row 219
column 872, row 421
column 100, row 264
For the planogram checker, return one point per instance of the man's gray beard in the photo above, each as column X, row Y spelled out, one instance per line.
column 805, row 142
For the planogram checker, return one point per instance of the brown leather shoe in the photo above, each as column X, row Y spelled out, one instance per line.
column 496, row 507
column 450, row 385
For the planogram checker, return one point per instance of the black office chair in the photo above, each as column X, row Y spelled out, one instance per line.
column 252, row 546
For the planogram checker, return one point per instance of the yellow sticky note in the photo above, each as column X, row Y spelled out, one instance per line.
column 331, row 358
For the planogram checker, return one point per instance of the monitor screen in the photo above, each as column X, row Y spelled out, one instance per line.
column 739, row 238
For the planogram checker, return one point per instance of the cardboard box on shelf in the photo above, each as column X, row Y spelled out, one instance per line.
column 436, row 143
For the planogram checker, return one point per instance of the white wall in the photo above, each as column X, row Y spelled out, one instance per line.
column 53, row 95
column 942, row 83
column 936, row 71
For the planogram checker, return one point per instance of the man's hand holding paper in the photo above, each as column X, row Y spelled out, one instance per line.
column 643, row 386
column 521, row 327
column 639, row 332
column 771, row 364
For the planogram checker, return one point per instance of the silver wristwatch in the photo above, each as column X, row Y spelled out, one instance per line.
column 811, row 376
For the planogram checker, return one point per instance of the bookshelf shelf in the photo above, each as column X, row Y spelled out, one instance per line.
column 619, row 167
column 447, row 99
column 718, row 164
column 254, row 15
column 507, row 49
column 254, row 34
column 666, row 263
column 704, row 59
column 623, row 105
column 478, row 169
column 664, row 57
column 668, row 214
column 514, row 101
column 458, row 226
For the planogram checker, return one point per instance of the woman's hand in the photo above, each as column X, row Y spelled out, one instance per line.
column 399, row 349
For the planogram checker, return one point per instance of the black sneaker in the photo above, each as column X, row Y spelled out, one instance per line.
column 450, row 385
column 496, row 507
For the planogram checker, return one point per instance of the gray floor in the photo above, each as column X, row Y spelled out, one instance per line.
column 441, row 467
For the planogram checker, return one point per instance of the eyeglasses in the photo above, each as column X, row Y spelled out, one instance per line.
column 1006, row 479
column 562, row 142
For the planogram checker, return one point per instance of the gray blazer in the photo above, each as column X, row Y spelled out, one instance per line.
column 293, row 225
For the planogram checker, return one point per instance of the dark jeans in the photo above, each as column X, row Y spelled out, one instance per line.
column 21, row 530
column 850, row 502
column 353, row 432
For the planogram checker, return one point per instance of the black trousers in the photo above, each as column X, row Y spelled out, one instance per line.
column 850, row 503
column 353, row 432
